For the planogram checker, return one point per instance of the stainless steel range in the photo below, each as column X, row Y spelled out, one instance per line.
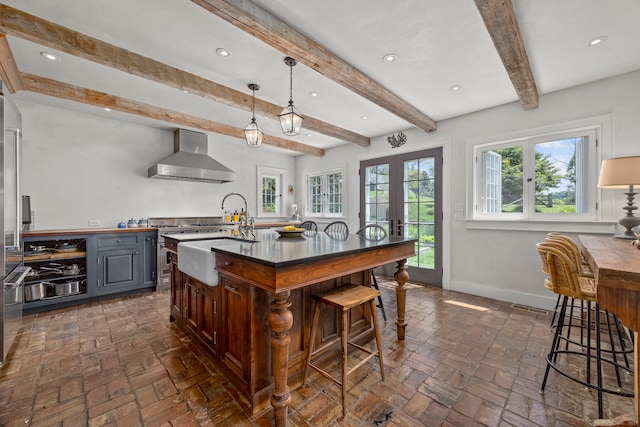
column 175, row 225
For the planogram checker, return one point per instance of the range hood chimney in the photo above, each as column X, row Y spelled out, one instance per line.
column 190, row 161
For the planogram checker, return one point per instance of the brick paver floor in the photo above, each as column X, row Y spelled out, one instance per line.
column 466, row 361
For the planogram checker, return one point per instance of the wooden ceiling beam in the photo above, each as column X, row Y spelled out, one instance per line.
column 268, row 28
column 62, row 90
column 9, row 72
column 500, row 19
column 29, row 27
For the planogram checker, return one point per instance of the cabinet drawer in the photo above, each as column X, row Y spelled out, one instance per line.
column 115, row 241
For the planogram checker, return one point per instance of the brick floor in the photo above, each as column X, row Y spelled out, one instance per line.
column 473, row 362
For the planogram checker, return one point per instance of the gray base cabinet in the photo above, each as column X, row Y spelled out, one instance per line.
column 106, row 264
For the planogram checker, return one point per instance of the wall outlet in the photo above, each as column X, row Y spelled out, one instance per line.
column 458, row 216
column 458, row 207
column 94, row 223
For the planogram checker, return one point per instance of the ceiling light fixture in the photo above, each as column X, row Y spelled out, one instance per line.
column 290, row 119
column 314, row 94
column 223, row 52
column 365, row 117
column 597, row 41
column 454, row 88
column 106, row 109
column 389, row 57
column 252, row 133
column 50, row 56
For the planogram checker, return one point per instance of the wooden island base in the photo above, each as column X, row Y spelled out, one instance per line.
column 256, row 322
column 231, row 324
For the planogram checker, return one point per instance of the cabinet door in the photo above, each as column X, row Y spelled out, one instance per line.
column 118, row 270
column 149, row 260
column 235, row 350
column 190, row 308
column 200, row 312
column 207, row 320
column 177, row 289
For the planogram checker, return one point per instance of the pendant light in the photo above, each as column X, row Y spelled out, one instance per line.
column 252, row 133
column 290, row 119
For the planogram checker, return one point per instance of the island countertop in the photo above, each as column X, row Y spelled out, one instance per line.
column 272, row 250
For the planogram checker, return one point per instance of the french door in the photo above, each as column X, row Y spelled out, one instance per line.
column 403, row 194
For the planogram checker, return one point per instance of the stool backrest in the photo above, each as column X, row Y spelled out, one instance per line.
column 309, row 225
column 339, row 228
column 372, row 232
column 561, row 270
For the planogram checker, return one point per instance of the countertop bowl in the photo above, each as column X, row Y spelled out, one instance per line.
column 290, row 233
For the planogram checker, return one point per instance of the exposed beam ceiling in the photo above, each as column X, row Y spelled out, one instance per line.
column 29, row 27
column 8, row 68
column 87, row 96
column 263, row 25
column 500, row 19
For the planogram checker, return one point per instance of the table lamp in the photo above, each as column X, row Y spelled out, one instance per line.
column 623, row 172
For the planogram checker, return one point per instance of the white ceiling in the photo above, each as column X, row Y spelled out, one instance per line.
column 439, row 44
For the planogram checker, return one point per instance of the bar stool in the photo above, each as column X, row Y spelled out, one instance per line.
column 564, row 280
column 374, row 232
column 344, row 299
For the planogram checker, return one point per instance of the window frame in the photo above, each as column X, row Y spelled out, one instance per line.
column 325, row 193
column 279, row 175
column 593, row 130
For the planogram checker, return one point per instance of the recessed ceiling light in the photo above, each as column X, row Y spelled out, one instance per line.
column 50, row 56
column 596, row 41
column 365, row 117
column 454, row 88
column 223, row 52
column 314, row 94
column 185, row 91
column 390, row 57
column 106, row 109
column 308, row 134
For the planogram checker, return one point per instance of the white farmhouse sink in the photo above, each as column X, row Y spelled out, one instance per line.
column 198, row 261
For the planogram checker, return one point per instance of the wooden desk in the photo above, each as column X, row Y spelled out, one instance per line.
column 616, row 266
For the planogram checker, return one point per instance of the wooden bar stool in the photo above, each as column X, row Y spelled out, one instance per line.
column 344, row 298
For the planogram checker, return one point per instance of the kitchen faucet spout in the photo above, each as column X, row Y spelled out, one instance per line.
column 246, row 224
column 246, row 211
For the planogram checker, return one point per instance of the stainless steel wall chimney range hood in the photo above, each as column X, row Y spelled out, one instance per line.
column 190, row 161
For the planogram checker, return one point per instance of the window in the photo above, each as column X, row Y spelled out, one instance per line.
column 270, row 185
column 542, row 177
column 324, row 193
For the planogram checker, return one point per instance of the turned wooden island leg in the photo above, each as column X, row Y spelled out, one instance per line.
column 280, row 322
column 401, row 277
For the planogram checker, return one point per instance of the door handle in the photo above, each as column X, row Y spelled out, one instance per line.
column 400, row 227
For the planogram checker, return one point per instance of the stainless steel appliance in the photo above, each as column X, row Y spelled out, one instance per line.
column 174, row 225
column 13, row 271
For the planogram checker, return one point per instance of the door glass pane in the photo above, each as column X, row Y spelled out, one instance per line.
column 376, row 195
column 419, row 220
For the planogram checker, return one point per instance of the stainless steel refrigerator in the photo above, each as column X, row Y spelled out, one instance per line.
column 11, row 259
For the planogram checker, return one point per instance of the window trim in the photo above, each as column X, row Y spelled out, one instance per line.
column 601, row 125
column 324, row 172
column 280, row 175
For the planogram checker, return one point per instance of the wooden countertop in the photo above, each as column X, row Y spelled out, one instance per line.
column 73, row 231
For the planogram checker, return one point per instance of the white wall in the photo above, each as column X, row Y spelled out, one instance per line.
column 498, row 263
column 79, row 167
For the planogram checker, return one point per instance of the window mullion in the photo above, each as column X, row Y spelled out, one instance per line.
column 529, row 179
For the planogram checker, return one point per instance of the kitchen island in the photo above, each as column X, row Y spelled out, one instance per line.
column 255, row 322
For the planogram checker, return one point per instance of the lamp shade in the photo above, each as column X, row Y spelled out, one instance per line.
column 253, row 134
column 290, row 120
column 620, row 172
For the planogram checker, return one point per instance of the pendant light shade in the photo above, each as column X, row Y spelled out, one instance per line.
column 252, row 133
column 290, row 119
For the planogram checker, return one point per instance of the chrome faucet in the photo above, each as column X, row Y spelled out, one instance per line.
column 246, row 223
